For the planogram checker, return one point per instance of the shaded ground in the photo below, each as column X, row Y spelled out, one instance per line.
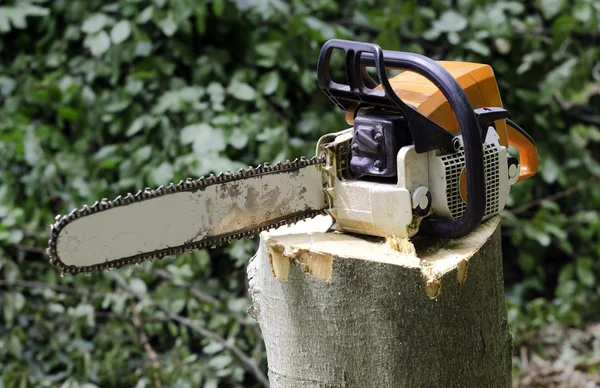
column 560, row 359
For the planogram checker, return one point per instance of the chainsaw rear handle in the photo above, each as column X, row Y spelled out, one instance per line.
column 426, row 134
column 528, row 155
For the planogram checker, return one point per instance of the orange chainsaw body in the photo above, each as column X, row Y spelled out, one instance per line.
column 479, row 84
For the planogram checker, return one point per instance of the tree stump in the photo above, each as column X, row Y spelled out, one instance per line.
column 338, row 310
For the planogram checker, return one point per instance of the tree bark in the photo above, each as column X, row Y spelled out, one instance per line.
column 347, row 311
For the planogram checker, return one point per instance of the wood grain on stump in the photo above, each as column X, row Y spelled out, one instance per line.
column 338, row 310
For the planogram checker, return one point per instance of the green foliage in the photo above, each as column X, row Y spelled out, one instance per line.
column 100, row 98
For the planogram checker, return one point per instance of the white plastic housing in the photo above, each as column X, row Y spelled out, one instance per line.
column 386, row 209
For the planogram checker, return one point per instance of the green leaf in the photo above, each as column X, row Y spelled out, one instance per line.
column 454, row 38
column 7, row 85
column 98, row 43
column 514, row 7
column 106, row 151
column 111, row 162
column 138, row 286
column 177, row 305
column 238, row 139
column 16, row 236
column 56, row 308
column 268, row 52
column 32, row 149
column 94, row 23
column 211, row 383
column 242, row 91
column 143, row 48
column 142, row 154
column 191, row 94
column 201, row 12
column 209, row 143
column 68, row 113
column 538, row 235
column 117, row 106
column 585, row 271
column 83, row 310
column 120, row 32
column 17, row 14
column 216, row 93
column 551, row 8
column 4, row 20
column 549, row 170
column 136, row 126
column 529, row 59
column 478, row 47
column 583, row 12
column 566, row 273
column 205, row 139
column 212, row 348
column 268, row 83
column 319, row 27
column 163, row 173
column 176, row 100
column 527, row 262
column 502, row 45
column 218, row 7
column 15, row 347
column 221, row 361
column 168, row 25
column 146, row 15
column 190, row 133
column 450, row 21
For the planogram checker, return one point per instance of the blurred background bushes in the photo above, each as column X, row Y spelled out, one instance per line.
column 98, row 98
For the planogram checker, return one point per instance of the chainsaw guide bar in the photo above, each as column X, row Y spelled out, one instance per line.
column 290, row 169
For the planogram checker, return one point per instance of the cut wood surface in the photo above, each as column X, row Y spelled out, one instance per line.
column 338, row 310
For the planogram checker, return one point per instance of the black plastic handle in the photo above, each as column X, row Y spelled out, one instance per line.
column 360, row 89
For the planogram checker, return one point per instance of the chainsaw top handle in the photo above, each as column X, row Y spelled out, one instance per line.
column 363, row 91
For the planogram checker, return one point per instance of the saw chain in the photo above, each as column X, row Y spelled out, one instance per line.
column 183, row 186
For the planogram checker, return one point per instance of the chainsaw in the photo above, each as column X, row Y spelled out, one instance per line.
column 426, row 153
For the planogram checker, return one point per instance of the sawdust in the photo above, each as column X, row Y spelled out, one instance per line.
column 401, row 244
